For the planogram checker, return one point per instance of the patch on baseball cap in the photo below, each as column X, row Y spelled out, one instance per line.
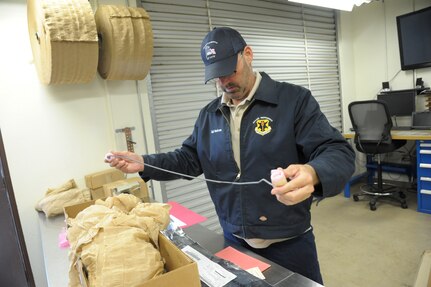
column 219, row 51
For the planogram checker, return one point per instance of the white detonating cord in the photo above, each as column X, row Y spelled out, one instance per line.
column 109, row 156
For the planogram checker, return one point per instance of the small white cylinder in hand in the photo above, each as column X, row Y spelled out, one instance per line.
column 109, row 156
column 277, row 177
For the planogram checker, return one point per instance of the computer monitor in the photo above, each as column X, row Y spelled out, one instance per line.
column 414, row 38
column 400, row 103
column 421, row 120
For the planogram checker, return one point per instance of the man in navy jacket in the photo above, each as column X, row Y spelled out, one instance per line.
column 257, row 125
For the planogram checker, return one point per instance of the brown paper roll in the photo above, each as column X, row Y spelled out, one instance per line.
column 63, row 39
column 126, row 42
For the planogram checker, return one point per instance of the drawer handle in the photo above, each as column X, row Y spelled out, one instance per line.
column 423, row 178
column 425, row 165
column 426, row 191
column 425, row 144
column 425, row 151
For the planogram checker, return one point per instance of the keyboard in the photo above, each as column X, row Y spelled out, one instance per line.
column 402, row 128
column 421, row 127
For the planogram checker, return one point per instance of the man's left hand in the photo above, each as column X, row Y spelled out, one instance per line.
column 300, row 185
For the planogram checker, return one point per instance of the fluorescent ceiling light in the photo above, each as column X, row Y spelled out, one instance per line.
column 346, row 5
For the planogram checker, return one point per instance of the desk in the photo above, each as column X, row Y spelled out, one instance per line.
column 423, row 164
column 402, row 135
column 57, row 263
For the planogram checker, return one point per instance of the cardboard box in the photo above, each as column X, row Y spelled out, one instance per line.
column 134, row 185
column 72, row 211
column 95, row 181
column 97, row 193
column 181, row 270
column 423, row 278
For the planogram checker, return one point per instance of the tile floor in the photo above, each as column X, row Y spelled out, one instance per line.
column 362, row 248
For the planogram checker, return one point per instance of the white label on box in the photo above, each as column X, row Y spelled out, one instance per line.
column 210, row 272
column 176, row 221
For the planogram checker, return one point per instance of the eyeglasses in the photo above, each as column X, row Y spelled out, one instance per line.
column 215, row 80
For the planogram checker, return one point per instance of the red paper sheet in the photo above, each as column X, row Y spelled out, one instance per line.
column 185, row 215
column 241, row 259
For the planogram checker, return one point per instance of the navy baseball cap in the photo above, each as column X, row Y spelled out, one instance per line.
column 219, row 51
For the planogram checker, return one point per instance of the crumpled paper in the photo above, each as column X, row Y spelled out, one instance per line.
column 57, row 198
column 117, row 240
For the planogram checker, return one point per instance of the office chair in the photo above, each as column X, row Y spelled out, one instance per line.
column 372, row 124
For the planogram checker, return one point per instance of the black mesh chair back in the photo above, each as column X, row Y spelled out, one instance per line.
column 372, row 124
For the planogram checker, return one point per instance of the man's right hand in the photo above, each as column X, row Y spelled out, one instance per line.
column 127, row 162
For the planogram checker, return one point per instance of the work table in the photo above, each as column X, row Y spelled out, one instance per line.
column 57, row 262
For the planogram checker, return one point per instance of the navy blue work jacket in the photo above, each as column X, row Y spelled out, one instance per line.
column 283, row 125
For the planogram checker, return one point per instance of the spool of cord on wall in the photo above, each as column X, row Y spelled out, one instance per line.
column 63, row 39
column 126, row 42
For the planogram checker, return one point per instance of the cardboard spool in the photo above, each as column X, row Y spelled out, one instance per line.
column 125, row 42
column 63, row 39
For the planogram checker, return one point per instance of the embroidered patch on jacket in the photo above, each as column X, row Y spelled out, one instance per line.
column 263, row 125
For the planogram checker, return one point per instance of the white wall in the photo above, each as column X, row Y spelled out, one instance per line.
column 54, row 133
column 369, row 53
